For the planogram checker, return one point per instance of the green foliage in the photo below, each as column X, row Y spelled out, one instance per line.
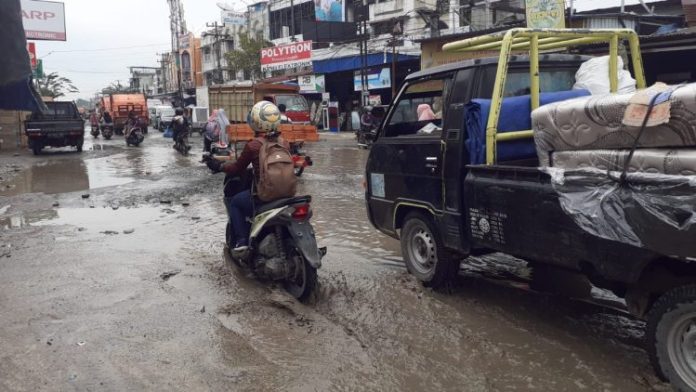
column 115, row 88
column 247, row 56
column 54, row 85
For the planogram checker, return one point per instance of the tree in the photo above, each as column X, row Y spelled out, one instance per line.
column 55, row 86
column 115, row 88
column 247, row 57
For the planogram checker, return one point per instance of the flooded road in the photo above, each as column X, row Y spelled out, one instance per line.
column 113, row 277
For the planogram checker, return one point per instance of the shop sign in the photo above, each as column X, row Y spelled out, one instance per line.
column 545, row 14
column 376, row 79
column 43, row 20
column 312, row 84
column 292, row 55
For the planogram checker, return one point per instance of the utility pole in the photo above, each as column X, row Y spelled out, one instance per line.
column 177, row 28
column 163, row 63
column 218, row 51
column 395, row 31
column 292, row 21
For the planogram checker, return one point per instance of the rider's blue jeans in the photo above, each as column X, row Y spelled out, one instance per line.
column 239, row 207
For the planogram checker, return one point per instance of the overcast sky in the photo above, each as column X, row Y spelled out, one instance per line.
column 104, row 37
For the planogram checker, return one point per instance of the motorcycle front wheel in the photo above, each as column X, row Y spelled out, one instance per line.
column 302, row 284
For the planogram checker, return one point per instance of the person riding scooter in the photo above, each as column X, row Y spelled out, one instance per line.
column 179, row 126
column 263, row 119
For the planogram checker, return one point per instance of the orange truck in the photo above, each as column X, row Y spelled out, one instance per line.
column 119, row 105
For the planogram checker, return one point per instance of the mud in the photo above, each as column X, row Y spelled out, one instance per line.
column 85, row 306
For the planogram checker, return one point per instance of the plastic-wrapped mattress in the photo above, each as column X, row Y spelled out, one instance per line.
column 665, row 161
column 594, row 123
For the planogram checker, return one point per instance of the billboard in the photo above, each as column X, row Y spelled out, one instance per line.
column 329, row 10
column 233, row 18
column 312, row 84
column 293, row 55
column 376, row 78
column 43, row 20
column 545, row 14
column 31, row 48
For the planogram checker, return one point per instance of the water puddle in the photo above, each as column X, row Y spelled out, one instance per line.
column 61, row 177
column 104, row 219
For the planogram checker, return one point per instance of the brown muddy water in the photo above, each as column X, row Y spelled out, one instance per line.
column 113, row 277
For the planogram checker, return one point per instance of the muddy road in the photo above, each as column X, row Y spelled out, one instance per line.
column 113, row 277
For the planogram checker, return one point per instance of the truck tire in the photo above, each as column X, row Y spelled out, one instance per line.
column 424, row 253
column 671, row 337
column 37, row 149
column 79, row 146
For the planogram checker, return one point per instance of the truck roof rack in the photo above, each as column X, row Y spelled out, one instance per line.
column 535, row 40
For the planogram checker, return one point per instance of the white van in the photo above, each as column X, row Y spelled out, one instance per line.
column 163, row 117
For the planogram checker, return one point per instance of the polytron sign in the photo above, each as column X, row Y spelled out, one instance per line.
column 293, row 55
column 31, row 48
column 43, row 20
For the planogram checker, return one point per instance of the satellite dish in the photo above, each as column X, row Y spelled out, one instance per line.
column 225, row 6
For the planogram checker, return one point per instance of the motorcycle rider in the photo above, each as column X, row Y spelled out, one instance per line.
column 131, row 122
column 179, row 125
column 240, row 206
column 106, row 117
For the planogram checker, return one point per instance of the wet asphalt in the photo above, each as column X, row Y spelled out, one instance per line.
column 113, row 277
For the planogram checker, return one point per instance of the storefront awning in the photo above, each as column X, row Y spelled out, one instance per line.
column 353, row 62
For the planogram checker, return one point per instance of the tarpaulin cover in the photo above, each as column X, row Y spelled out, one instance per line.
column 651, row 211
column 515, row 115
column 353, row 62
column 16, row 91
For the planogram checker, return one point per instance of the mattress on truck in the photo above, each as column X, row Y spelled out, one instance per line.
column 665, row 161
column 576, row 133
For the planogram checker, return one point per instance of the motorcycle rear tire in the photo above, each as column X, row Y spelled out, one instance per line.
column 107, row 137
column 309, row 280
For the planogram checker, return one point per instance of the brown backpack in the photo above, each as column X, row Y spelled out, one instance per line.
column 276, row 172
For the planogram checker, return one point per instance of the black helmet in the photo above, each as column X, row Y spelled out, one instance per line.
column 179, row 111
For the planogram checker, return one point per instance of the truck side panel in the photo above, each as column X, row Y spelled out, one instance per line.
column 517, row 211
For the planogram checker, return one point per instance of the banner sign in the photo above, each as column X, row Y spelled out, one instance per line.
column 329, row 10
column 312, row 84
column 545, row 14
column 235, row 18
column 293, row 55
column 184, row 41
column 43, row 20
column 31, row 48
column 376, row 79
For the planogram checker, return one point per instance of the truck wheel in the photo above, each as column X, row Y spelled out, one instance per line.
column 424, row 253
column 36, row 149
column 671, row 335
column 79, row 147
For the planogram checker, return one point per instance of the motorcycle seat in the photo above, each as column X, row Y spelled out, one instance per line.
column 283, row 202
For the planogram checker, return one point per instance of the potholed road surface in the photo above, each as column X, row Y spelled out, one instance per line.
column 113, row 277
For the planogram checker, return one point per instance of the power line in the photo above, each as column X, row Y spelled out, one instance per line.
column 102, row 49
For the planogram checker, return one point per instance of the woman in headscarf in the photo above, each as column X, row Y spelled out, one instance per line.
column 212, row 131
column 425, row 113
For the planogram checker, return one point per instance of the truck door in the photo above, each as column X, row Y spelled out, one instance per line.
column 406, row 161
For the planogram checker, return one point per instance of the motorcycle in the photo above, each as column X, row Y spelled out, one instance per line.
column 282, row 245
column 181, row 142
column 134, row 136
column 107, row 130
column 94, row 131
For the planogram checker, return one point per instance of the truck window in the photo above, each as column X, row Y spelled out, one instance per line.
column 56, row 110
column 517, row 82
column 419, row 111
column 293, row 103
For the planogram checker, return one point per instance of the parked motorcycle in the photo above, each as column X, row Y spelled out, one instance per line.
column 134, row 136
column 107, row 130
column 282, row 246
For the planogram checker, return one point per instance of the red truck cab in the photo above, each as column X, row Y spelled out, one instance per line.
column 296, row 107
